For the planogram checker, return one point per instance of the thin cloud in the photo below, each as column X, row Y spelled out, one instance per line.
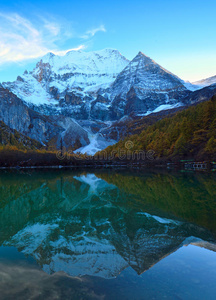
column 90, row 33
column 21, row 40
column 53, row 28
column 63, row 52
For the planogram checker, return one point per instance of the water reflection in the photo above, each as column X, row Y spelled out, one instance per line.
column 102, row 223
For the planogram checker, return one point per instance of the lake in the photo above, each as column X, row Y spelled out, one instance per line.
column 94, row 234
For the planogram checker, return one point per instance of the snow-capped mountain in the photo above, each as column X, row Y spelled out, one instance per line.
column 86, row 70
column 100, row 85
column 80, row 72
column 144, row 85
column 145, row 74
column 95, row 89
column 90, row 85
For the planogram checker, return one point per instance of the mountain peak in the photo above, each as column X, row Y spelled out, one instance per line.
column 49, row 55
column 145, row 75
column 144, row 57
column 80, row 53
column 140, row 53
column 106, row 61
column 147, row 64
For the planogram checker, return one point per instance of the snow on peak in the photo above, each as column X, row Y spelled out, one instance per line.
column 205, row 82
column 48, row 56
column 192, row 86
column 145, row 74
column 84, row 76
column 150, row 64
column 141, row 55
column 79, row 69
column 107, row 61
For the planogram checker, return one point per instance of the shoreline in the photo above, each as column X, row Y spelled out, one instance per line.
column 195, row 165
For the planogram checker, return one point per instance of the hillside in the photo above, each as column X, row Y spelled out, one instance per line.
column 12, row 137
column 190, row 133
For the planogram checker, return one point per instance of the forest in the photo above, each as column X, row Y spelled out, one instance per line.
column 190, row 133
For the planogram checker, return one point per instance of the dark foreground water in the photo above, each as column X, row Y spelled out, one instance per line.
column 107, row 235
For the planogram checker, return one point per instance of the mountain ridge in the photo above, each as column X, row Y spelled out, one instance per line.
column 206, row 82
column 92, row 90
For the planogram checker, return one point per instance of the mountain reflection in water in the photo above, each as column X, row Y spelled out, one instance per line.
column 100, row 224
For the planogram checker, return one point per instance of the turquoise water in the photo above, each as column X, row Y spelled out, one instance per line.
column 107, row 235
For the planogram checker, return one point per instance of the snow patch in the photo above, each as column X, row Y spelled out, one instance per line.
column 159, row 219
column 192, row 86
column 160, row 108
column 31, row 237
column 97, row 143
column 205, row 82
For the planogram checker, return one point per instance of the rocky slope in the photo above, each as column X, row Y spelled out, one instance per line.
column 45, row 129
column 135, row 124
column 143, row 86
column 69, row 84
column 14, row 138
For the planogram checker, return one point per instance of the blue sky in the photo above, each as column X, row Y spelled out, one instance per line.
column 179, row 35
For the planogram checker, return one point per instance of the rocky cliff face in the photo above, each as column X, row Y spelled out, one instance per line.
column 71, row 84
column 144, row 85
column 13, row 137
column 145, row 74
column 200, row 95
column 17, row 115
